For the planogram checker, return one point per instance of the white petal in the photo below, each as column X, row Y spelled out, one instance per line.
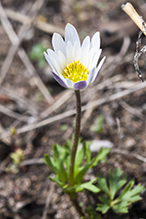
column 62, row 59
column 50, row 62
column 64, row 80
column 99, row 67
column 51, row 53
column 85, row 57
column 96, row 58
column 86, row 43
column 76, row 51
column 91, row 54
column 56, row 65
column 95, row 41
column 69, row 52
column 55, row 60
column 58, row 43
column 91, row 76
column 69, row 83
column 71, row 34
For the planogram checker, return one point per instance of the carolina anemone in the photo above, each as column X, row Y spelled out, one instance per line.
column 74, row 65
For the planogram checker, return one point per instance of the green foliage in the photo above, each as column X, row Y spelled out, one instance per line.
column 64, row 127
column 98, row 125
column 92, row 213
column 16, row 157
column 60, row 165
column 110, row 188
column 36, row 54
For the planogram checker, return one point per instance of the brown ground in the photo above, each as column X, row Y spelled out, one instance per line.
column 24, row 194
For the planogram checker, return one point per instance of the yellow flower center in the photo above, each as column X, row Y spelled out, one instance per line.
column 75, row 71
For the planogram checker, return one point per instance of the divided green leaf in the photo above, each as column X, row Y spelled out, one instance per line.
column 110, row 199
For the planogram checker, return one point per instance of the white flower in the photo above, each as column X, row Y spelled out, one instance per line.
column 74, row 65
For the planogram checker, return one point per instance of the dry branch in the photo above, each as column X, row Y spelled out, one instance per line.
column 24, row 19
column 16, row 41
column 130, row 10
column 127, row 153
column 48, row 200
column 72, row 112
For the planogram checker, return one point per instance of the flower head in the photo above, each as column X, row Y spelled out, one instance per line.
column 74, row 65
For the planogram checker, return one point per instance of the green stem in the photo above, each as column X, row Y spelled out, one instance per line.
column 76, row 137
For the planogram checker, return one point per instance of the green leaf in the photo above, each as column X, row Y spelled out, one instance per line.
column 98, row 126
column 64, row 127
column 69, row 143
column 100, row 156
column 89, row 186
column 58, row 151
column 80, row 156
column 56, row 155
column 103, row 208
column 56, row 179
column 104, row 200
column 102, row 184
column 92, row 213
column 37, row 54
column 37, row 51
column 127, row 188
column 115, row 183
column 50, row 162
column 131, row 195
column 62, row 173
column 87, row 151
column 127, row 196
column 41, row 62
column 67, row 163
column 121, row 208
column 80, row 173
column 137, row 190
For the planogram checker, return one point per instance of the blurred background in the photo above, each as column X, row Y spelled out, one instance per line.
column 36, row 112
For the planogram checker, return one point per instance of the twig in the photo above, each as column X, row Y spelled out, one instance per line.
column 24, row 19
column 130, row 10
column 22, row 54
column 126, row 153
column 88, row 112
column 65, row 95
column 118, row 132
column 115, row 96
column 4, row 164
column 124, row 84
column 22, row 101
column 48, row 200
column 32, row 162
column 32, row 71
column 14, row 115
column 125, row 46
column 72, row 112
column 39, row 124
column 139, row 52
column 132, row 110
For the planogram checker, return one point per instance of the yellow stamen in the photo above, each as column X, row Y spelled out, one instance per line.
column 75, row 71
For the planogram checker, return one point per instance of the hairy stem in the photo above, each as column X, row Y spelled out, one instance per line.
column 73, row 195
column 73, row 198
column 76, row 137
